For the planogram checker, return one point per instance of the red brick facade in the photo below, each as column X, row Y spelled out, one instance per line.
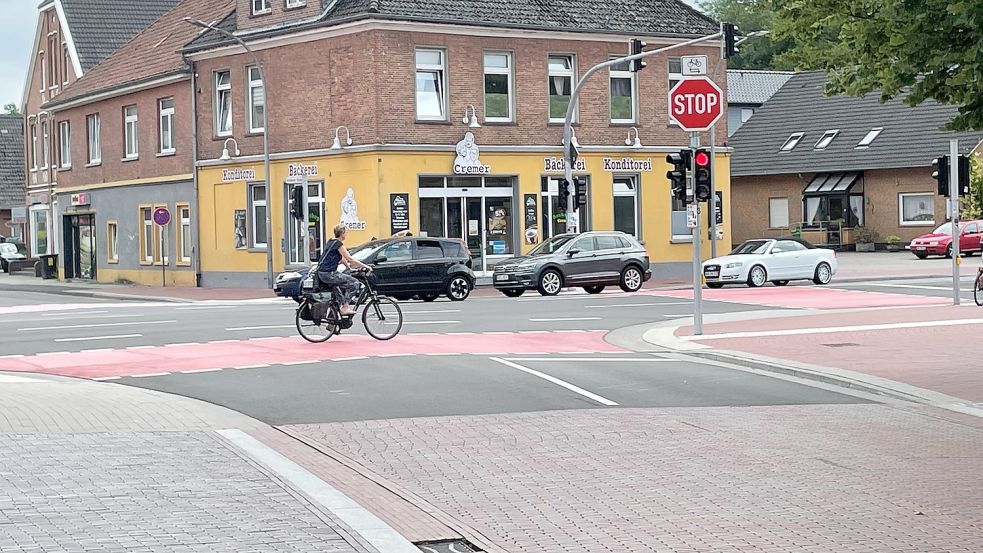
column 279, row 12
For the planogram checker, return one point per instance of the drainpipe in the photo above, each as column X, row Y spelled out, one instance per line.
column 195, row 234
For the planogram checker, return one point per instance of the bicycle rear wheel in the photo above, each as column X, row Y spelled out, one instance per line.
column 316, row 331
column 978, row 289
column 382, row 318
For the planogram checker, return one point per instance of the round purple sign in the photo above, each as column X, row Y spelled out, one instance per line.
column 162, row 216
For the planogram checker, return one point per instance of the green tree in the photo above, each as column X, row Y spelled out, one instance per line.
column 11, row 109
column 762, row 52
column 972, row 205
column 917, row 49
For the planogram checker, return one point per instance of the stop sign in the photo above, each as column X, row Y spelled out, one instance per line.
column 695, row 103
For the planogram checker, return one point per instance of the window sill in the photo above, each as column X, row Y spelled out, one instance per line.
column 433, row 122
column 93, row 164
column 254, row 133
column 918, row 224
column 65, row 168
column 680, row 239
column 560, row 123
column 126, row 159
column 624, row 124
column 500, row 123
column 171, row 153
column 183, row 264
column 256, row 249
column 264, row 12
column 222, row 136
column 112, row 261
column 292, row 8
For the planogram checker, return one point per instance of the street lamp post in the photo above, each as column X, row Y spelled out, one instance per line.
column 266, row 141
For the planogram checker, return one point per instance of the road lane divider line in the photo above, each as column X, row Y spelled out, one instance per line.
column 353, row 358
column 63, row 327
column 141, row 347
column 573, row 388
column 87, row 338
column 13, row 356
column 395, row 354
column 52, row 353
column 601, row 359
column 619, row 305
column 832, row 329
column 222, row 341
column 206, row 307
column 76, row 314
column 179, row 344
column 149, row 375
column 562, row 319
column 442, row 354
column 196, row 371
column 262, row 327
column 305, row 362
column 260, row 366
column 98, row 350
column 104, row 378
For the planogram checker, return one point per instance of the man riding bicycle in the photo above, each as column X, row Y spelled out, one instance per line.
column 335, row 252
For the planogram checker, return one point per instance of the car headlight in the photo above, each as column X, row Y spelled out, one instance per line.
column 933, row 243
column 287, row 276
column 736, row 265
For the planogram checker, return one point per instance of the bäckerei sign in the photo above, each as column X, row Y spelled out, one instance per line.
column 553, row 164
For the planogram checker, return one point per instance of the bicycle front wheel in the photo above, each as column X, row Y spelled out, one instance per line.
column 978, row 290
column 316, row 331
column 382, row 318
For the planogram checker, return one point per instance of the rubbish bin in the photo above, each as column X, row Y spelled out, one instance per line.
column 49, row 266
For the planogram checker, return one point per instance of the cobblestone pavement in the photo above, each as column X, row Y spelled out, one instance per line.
column 838, row 478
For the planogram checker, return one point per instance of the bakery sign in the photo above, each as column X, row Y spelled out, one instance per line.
column 556, row 164
column 301, row 170
column 626, row 164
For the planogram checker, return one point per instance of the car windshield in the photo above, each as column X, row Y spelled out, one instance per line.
column 550, row 246
column 751, row 247
column 943, row 229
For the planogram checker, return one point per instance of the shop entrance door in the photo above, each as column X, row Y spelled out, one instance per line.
column 315, row 225
column 80, row 247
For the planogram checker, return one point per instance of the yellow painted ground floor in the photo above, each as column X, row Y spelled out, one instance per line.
column 502, row 203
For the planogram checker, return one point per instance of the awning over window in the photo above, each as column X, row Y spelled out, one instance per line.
column 831, row 183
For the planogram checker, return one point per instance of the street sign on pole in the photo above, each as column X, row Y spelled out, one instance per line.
column 694, row 65
column 161, row 217
column 954, row 193
column 696, row 103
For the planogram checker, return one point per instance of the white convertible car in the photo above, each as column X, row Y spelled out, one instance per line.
column 756, row 262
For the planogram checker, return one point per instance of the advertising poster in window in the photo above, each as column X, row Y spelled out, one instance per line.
column 399, row 209
column 531, row 232
column 240, row 229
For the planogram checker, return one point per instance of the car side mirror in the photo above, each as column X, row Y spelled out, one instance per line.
column 381, row 259
column 573, row 252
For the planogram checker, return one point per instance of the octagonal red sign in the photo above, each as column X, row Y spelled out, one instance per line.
column 696, row 103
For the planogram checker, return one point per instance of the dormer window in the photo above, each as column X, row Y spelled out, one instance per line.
column 296, row 4
column 261, row 6
column 869, row 137
column 827, row 137
column 792, row 142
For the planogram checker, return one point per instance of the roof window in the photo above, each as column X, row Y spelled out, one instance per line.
column 866, row 140
column 792, row 141
column 827, row 137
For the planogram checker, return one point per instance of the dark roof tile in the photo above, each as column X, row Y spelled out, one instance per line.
column 11, row 161
column 99, row 27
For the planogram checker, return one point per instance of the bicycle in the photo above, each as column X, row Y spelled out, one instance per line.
column 381, row 316
column 978, row 287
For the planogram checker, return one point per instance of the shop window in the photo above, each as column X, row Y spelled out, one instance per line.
column 680, row 231
column 184, row 243
column 561, row 74
column 777, row 212
column 622, row 85
column 498, row 86
column 64, row 145
column 112, row 241
column 257, row 216
column 223, row 103
column 431, row 85
column 916, row 209
column 93, row 139
column 39, row 230
column 626, row 205
column 255, row 98
column 166, row 111
column 315, row 224
column 554, row 220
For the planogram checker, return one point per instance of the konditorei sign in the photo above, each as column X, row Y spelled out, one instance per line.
column 467, row 162
column 554, row 164
column 238, row 174
column 626, row 164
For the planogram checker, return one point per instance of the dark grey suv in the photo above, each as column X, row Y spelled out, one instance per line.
column 592, row 260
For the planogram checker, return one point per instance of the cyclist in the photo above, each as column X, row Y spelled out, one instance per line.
column 327, row 269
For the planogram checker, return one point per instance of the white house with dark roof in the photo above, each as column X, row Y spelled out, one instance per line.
column 824, row 165
column 747, row 90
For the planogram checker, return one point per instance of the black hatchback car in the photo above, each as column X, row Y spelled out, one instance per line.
column 404, row 268
column 592, row 260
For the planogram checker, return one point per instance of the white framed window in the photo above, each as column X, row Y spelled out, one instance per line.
column 261, row 7
column 777, row 212
column 254, row 98
column 112, row 241
column 93, row 138
column 674, row 70
column 562, row 68
column 184, row 234
column 498, row 87
column 147, row 235
column 34, row 146
column 257, row 216
column 792, row 141
column 916, row 209
column 64, row 145
column 53, row 61
column 165, row 110
column 622, row 87
column 45, row 149
column 869, row 137
column 296, row 3
column 40, row 223
column 825, row 139
column 66, row 62
column 223, row 103
column 431, row 85
column 130, row 140
column 44, row 79
column 626, row 205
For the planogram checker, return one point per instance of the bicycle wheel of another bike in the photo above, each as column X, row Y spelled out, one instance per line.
column 319, row 332
column 978, row 290
column 382, row 318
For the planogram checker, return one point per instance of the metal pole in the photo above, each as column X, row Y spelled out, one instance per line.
column 305, row 223
column 694, row 143
column 954, row 201
column 712, row 217
column 163, row 255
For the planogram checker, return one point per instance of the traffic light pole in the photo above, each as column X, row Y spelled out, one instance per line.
column 712, row 217
column 954, row 202
column 694, row 143
column 572, row 108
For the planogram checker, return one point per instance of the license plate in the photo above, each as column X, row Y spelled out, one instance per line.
column 920, row 248
column 501, row 277
column 711, row 274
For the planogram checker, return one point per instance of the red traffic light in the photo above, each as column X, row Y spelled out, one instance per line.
column 702, row 159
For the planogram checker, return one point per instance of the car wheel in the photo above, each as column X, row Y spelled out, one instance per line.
column 823, row 275
column 921, row 255
column 631, row 279
column 780, row 283
column 513, row 292
column 757, row 276
column 458, row 289
column 550, row 282
column 429, row 297
column 714, row 285
column 948, row 251
column 596, row 289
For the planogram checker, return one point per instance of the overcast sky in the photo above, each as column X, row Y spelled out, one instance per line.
column 17, row 25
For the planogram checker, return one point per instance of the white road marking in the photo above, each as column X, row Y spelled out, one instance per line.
column 832, row 329
column 209, row 307
column 431, row 322
column 442, row 354
column 677, row 316
column 557, row 381
column 179, row 344
column 11, row 379
column 99, row 350
column 407, row 311
column 53, row 353
column 914, row 287
column 74, row 314
column 14, row 356
column 62, row 327
column 266, row 338
column 102, row 378
column 619, row 305
column 251, row 367
column 561, row 319
column 148, row 375
column 263, row 327
column 355, row 358
column 87, row 338
column 141, row 347
column 570, row 331
column 307, row 362
column 222, row 341
column 196, row 371
column 564, row 359
column 395, row 354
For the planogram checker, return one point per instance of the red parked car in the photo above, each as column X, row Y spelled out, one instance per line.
column 939, row 241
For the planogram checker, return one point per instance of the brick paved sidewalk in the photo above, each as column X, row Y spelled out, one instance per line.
column 87, row 466
column 928, row 347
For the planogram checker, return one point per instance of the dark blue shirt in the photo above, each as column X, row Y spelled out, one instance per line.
column 331, row 258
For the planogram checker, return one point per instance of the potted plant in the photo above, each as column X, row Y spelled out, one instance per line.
column 893, row 243
column 864, row 239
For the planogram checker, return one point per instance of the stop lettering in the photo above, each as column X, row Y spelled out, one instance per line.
column 695, row 103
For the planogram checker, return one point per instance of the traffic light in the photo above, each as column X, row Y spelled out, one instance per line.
column 580, row 188
column 940, row 172
column 563, row 194
column 297, row 208
column 963, row 176
column 704, row 176
column 677, row 175
column 635, row 48
column 730, row 40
